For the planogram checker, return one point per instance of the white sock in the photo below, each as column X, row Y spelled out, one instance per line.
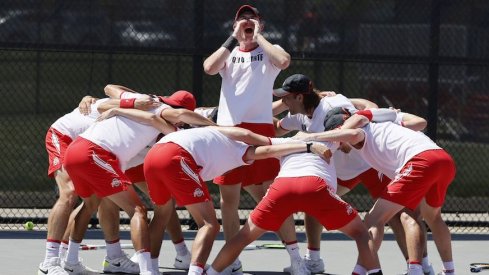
column 293, row 250
column 181, row 248
column 359, row 270
column 425, row 262
column 155, row 264
column 52, row 250
column 415, row 269
column 314, row 255
column 144, row 261
column 195, row 270
column 63, row 250
column 374, row 271
column 211, row 271
column 449, row 267
column 72, row 255
column 114, row 249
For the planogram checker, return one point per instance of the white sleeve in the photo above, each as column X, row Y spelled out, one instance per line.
column 290, row 123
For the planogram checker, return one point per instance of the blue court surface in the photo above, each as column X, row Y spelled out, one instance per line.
column 22, row 251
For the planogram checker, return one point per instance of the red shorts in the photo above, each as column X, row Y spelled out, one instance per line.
column 260, row 170
column 94, row 170
column 373, row 180
column 56, row 144
column 135, row 174
column 301, row 194
column 426, row 175
column 171, row 171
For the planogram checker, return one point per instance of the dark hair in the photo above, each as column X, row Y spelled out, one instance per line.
column 310, row 100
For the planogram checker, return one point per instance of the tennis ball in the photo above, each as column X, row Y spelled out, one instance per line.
column 29, row 225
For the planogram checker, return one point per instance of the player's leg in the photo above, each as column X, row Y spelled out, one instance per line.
column 230, row 198
column 312, row 258
column 232, row 248
column 367, row 258
column 59, row 216
column 205, row 216
column 382, row 211
column 441, row 234
column 174, row 229
column 130, row 202
column 415, row 239
column 81, row 221
column 157, row 226
column 116, row 261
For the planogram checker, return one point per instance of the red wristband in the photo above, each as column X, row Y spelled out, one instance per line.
column 127, row 103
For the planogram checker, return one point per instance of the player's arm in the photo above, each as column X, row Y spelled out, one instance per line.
column 279, row 130
column 243, row 135
column 352, row 136
column 411, row 121
column 139, row 116
column 217, row 60
column 277, row 151
column 115, row 91
column 144, row 103
column 278, row 56
column 85, row 104
column 278, row 107
column 186, row 116
column 362, row 104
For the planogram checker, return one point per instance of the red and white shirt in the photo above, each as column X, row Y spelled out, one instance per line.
column 75, row 123
column 211, row 150
column 388, row 146
column 123, row 137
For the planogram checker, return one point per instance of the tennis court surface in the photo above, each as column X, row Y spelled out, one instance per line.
column 22, row 251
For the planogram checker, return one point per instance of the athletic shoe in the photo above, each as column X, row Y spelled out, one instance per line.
column 120, row 265
column 299, row 268
column 182, row 262
column 314, row 266
column 431, row 271
column 78, row 269
column 234, row 269
column 52, row 266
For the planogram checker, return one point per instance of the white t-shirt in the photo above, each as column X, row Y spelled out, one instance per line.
column 349, row 166
column 316, row 124
column 139, row 158
column 308, row 164
column 204, row 111
column 75, row 123
column 123, row 137
column 388, row 146
column 247, row 88
column 211, row 150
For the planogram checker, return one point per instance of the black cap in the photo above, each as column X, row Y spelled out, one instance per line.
column 335, row 118
column 245, row 8
column 297, row 84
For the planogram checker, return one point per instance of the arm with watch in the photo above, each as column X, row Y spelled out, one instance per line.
column 283, row 149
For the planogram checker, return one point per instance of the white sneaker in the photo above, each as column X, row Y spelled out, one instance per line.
column 430, row 271
column 299, row 268
column 52, row 266
column 234, row 269
column 314, row 266
column 120, row 265
column 78, row 269
column 182, row 262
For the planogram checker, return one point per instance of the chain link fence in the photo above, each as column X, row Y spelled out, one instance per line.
column 430, row 58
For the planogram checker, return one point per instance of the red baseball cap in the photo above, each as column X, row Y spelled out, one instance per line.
column 247, row 8
column 181, row 98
